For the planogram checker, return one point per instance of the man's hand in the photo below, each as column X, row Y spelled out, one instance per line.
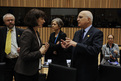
column 63, row 43
column 67, row 43
column 18, row 49
column 70, row 42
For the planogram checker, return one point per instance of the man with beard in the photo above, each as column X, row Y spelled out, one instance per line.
column 9, row 47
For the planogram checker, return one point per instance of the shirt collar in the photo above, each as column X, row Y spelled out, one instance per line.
column 109, row 46
column 87, row 29
column 12, row 28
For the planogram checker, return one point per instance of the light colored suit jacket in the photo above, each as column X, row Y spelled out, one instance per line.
column 106, row 53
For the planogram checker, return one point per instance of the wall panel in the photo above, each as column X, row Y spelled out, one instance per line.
column 22, row 3
column 63, row 3
column 112, row 4
column 46, row 31
column 31, row 3
column 87, row 3
column 15, row 3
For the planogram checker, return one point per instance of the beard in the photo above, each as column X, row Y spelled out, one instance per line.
column 11, row 25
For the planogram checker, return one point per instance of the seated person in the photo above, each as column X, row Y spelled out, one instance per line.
column 110, row 52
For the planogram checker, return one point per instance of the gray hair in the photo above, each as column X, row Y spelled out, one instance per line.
column 7, row 15
column 88, row 14
column 59, row 22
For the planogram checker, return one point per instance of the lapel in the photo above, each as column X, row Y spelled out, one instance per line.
column 107, row 50
column 52, row 37
column 77, row 36
column 59, row 34
column 5, row 33
column 89, row 33
column 39, row 39
column 36, row 38
column 34, row 35
column 17, row 35
column 58, row 39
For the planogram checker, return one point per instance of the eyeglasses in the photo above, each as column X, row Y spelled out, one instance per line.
column 10, row 20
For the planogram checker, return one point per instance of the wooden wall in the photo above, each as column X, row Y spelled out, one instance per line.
column 63, row 3
column 45, row 31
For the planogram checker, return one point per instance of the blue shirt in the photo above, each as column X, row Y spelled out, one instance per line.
column 86, row 30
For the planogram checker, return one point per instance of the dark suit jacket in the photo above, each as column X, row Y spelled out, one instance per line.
column 3, row 33
column 28, row 61
column 60, row 57
column 85, row 54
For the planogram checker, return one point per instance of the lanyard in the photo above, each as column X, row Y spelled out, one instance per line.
column 56, row 38
column 112, row 52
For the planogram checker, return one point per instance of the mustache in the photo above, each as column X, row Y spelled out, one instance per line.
column 11, row 24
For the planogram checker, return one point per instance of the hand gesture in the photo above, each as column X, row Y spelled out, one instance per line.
column 63, row 43
column 58, row 42
column 116, row 52
column 67, row 43
column 112, row 57
column 44, row 48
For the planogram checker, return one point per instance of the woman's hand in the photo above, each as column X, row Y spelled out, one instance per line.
column 116, row 52
column 44, row 48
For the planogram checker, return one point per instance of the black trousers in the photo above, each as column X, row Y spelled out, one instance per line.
column 9, row 71
column 21, row 77
column 2, row 71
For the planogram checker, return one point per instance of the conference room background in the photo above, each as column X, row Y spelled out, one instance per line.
column 106, row 15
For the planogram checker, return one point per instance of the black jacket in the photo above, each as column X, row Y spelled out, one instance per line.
column 60, row 57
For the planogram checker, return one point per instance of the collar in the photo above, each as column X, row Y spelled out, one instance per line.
column 12, row 28
column 109, row 46
column 59, row 32
column 87, row 29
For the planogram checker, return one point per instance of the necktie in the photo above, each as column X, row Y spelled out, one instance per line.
column 8, row 42
column 81, row 36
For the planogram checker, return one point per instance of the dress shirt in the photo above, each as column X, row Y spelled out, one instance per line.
column 86, row 30
column 14, row 46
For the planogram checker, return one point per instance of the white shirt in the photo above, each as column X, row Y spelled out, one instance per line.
column 14, row 45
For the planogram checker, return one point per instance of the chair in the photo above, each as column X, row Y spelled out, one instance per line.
column 109, row 73
column 61, row 73
column 42, row 77
column 120, row 57
column 101, row 56
column 2, row 70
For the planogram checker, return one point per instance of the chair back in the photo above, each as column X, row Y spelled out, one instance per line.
column 109, row 73
column 61, row 73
